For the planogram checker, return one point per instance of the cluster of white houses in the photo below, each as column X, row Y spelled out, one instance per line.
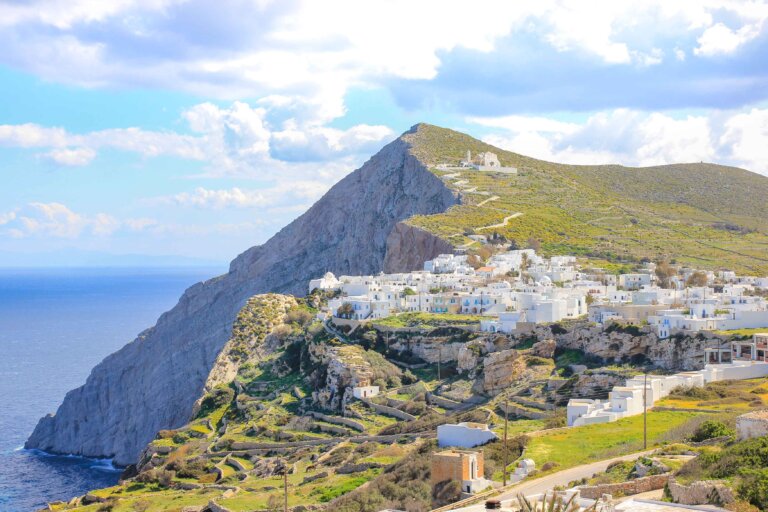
column 741, row 360
column 449, row 285
column 520, row 286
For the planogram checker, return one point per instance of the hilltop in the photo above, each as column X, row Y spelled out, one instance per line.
column 705, row 215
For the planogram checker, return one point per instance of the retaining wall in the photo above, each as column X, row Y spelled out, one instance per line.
column 636, row 486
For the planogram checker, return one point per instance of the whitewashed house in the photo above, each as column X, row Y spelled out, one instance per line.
column 464, row 435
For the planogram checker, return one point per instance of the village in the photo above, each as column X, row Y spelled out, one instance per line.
column 518, row 287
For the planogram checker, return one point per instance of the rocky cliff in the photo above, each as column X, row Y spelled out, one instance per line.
column 153, row 382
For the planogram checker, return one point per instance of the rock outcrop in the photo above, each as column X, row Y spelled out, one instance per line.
column 632, row 344
column 500, row 369
column 153, row 382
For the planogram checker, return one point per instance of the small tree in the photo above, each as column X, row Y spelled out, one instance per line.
column 534, row 244
column 664, row 272
column 698, row 278
column 346, row 310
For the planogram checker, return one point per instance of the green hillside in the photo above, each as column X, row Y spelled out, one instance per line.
column 705, row 215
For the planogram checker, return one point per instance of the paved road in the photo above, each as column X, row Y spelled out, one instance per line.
column 546, row 483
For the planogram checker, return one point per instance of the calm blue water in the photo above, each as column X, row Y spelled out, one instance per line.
column 55, row 325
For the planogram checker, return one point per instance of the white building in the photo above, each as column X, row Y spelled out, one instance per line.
column 365, row 392
column 327, row 282
column 464, row 435
column 635, row 281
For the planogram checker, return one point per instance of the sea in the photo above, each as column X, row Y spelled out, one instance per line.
column 55, row 325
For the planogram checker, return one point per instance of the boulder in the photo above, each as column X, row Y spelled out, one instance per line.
column 544, row 349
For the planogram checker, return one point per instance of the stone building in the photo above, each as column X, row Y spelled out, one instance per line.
column 465, row 467
column 488, row 159
column 752, row 424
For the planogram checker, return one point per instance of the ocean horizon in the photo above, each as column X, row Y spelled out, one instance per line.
column 55, row 325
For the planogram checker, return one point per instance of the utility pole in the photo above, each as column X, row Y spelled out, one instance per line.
column 439, row 362
column 645, row 411
column 506, row 451
column 285, row 488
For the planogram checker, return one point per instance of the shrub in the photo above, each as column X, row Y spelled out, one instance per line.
column 446, row 492
column 549, row 465
column 754, row 488
column 217, row 397
column 711, row 429
column 300, row 317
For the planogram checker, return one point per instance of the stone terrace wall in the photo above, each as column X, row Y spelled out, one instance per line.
column 645, row 484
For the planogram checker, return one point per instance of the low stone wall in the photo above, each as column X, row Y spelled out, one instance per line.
column 240, row 446
column 389, row 411
column 394, row 402
column 636, row 486
column 338, row 421
column 700, row 493
column 522, row 412
column 236, row 464
column 334, row 429
column 439, row 401
column 531, row 403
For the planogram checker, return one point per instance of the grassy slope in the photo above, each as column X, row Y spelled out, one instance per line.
column 605, row 212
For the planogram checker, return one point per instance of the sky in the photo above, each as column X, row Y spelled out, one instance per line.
column 190, row 130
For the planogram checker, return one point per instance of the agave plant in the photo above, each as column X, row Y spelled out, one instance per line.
column 554, row 504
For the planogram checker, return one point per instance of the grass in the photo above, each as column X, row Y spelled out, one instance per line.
column 427, row 320
column 743, row 332
column 727, row 396
column 580, row 445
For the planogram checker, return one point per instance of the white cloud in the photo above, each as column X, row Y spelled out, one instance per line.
column 721, row 40
column 140, row 224
column 238, row 139
column 56, row 220
column 7, row 217
column 315, row 51
column 283, row 194
column 71, row 157
column 638, row 138
column 746, row 139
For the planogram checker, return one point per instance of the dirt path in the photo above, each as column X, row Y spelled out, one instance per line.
column 502, row 223
column 492, row 198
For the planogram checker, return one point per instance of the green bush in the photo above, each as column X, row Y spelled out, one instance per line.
column 711, row 429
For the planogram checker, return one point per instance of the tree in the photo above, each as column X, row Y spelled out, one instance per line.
column 346, row 310
column 698, row 278
column 408, row 291
column 534, row 244
column 664, row 272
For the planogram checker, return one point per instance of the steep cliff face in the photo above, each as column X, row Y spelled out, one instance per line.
column 153, row 382
column 408, row 247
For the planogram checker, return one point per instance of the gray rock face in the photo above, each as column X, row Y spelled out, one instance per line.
column 152, row 383
column 408, row 247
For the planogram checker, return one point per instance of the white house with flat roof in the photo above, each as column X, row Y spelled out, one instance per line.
column 464, row 435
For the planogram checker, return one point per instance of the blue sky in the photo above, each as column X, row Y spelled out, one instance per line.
column 198, row 129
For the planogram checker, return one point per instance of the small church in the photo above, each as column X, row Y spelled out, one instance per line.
column 486, row 161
